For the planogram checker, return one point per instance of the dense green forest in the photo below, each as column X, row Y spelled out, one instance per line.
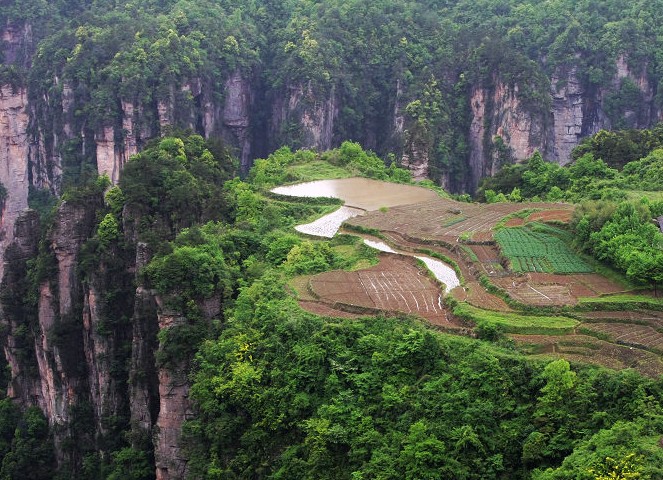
column 284, row 394
column 420, row 58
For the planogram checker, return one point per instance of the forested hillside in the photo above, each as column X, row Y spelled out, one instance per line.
column 160, row 316
column 455, row 89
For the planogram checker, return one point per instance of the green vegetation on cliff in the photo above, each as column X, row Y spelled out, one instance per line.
column 399, row 75
column 282, row 393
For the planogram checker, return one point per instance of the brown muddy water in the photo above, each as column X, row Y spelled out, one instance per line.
column 363, row 193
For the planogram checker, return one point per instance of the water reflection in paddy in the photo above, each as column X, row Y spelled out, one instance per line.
column 443, row 272
column 363, row 193
column 328, row 225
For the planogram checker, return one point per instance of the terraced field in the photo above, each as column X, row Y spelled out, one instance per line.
column 643, row 317
column 445, row 220
column 588, row 349
column 530, row 251
column 511, row 267
column 629, row 334
column 394, row 285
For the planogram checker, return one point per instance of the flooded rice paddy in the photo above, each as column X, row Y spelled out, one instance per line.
column 328, row 225
column 443, row 272
column 363, row 193
column 383, row 247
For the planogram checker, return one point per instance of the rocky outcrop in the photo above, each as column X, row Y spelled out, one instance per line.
column 415, row 158
column 16, row 42
column 303, row 118
column 18, row 344
column 109, row 162
column 522, row 130
column 14, row 120
column 192, row 106
column 174, row 408
column 59, row 340
column 47, row 337
column 576, row 111
column 499, row 112
column 569, row 114
column 646, row 112
column 236, row 115
column 143, row 377
column 478, row 134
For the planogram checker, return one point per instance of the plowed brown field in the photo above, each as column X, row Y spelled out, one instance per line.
column 587, row 349
column 394, row 285
column 629, row 334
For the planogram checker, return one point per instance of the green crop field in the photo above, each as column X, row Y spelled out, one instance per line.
column 536, row 251
column 517, row 323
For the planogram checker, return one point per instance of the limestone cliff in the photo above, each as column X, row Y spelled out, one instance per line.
column 576, row 111
column 174, row 408
column 236, row 116
column 304, row 118
column 14, row 148
column 498, row 112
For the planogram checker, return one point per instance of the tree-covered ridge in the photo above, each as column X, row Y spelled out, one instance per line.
column 286, row 395
column 420, row 59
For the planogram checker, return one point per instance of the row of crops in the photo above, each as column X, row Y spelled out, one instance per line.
column 536, row 251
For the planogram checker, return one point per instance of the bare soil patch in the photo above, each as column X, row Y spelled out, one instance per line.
column 629, row 334
column 651, row 318
column 547, row 289
column 486, row 253
column 482, row 237
column 599, row 284
column 477, row 296
column 533, row 293
column 561, row 215
column 515, row 222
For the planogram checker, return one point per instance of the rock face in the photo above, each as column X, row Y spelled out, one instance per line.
column 174, row 408
column 18, row 346
column 576, row 112
column 236, row 116
column 14, row 150
column 498, row 112
column 304, row 117
column 16, row 44
column 568, row 113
